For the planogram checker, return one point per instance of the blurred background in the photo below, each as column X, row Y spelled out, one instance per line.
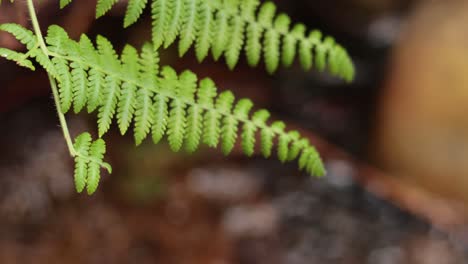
column 395, row 143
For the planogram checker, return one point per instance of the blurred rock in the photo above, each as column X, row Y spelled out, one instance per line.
column 433, row 251
column 224, row 184
column 422, row 131
column 387, row 255
column 250, row 221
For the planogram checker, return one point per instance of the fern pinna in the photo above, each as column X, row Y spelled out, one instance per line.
column 133, row 89
column 228, row 26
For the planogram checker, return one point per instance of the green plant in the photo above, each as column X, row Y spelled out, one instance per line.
column 133, row 87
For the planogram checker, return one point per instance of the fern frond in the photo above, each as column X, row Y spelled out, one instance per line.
column 88, row 162
column 228, row 26
column 164, row 103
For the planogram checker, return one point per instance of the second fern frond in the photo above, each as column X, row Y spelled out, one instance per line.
column 229, row 26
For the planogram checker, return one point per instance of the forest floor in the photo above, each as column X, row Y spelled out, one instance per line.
column 166, row 208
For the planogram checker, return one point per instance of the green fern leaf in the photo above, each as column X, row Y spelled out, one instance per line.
column 95, row 77
column 96, row 153
column 111, row 93
column 161, row 116
column 296, row 146
column 134, row 10
column 111, row 89
column 176, row 8
column 283, row 147
column 266, row 14
column 187, row 86
column 161, row 100
column 205, row 96
column 160, row 14
column 82, row 144
column 194, row 128
column 44, row 61
column 17, row 57
column 206, row 93
column 204, row 20
column 272, row 46
column 248, row 8
column 272, row 42
column 79, row 85
column 305, row 54
column 64, row 83
column 304, row 157
column 95, row 88
column 259, row 118
column 23, row 35
column 103, row 6
column 229, row 134
column 242, row 109
column 248, row 138
column 189, row 26
column 176, row 125
column 108, row 54
column 236, row 42
column 126, row 107
column 211, row 128
column 314, row 164
column 266, row 144
column 127, row 100
column 220, row 35
column 253, row 46
column 144, row 115
column 267, row 134
column 290, row 44
column 282, row 23
column 321, row 55
column 149, row 62
column 224, row 102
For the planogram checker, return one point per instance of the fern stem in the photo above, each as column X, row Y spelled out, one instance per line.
column 53, row 84
column 61, row 116
column 36, row 27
